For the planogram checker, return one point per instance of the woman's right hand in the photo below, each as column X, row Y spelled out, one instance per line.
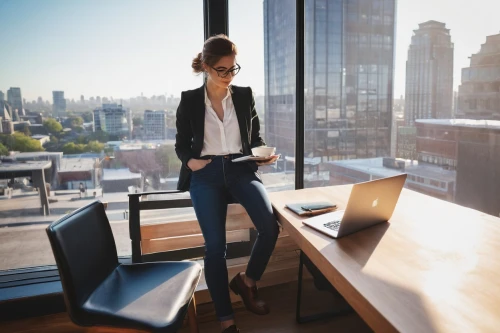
column 196, row 165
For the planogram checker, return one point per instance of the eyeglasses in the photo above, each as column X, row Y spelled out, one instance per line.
column 224, row 73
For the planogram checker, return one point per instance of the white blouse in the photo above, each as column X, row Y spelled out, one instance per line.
column 221, row 137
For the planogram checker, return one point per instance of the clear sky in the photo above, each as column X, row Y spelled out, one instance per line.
column 122, row 48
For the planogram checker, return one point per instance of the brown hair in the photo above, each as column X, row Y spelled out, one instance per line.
column 214, row 49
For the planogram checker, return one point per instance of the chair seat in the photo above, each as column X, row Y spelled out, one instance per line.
column 149, row 296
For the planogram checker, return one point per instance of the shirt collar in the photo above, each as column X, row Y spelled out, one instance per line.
column 207, row 100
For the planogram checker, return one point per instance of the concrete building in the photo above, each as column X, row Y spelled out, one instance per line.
column 2, row 96
column 472, row 147
column 54, row 157
column 15, row 99
column 479, row 93
column 423, row 178
column 42, row 138
column 429, row 73
column 58, row 104
column 406, row 143
column 36, row 171
column 113, row 119
column 348, row 78
column 119, row 180
column 155, row 125
column 74, row 171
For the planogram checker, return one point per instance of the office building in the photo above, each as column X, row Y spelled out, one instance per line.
column 479, row 93
column 155, row 125
column 429, row 73
column 421, row 177
column 349, row 50
column 16, row 102
column 2, row 96
column 471, row 147
column 113, row 119
column 59, row 104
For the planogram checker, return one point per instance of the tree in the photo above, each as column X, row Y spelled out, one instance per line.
column 20, row 142
column 95, row 147
column 52, row 126
column 100, row 136
column 166, row 157
column 72, row 148
column 3, row 150
column 26, row 130
column 87, row 116
column 76, row 121
column 137, row 121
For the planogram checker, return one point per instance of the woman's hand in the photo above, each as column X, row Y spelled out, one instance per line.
column 272, row 159
column 196, row 165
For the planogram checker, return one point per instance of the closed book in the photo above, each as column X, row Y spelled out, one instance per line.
column 311, row 208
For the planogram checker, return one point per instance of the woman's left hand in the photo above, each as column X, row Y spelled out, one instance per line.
column 272, row 159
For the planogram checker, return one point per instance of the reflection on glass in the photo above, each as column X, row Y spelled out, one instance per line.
column 274, row 38
column 348, row 80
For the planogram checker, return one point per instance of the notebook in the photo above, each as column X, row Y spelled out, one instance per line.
column 311, row 208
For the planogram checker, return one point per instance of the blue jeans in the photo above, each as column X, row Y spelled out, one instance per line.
column 212, row 188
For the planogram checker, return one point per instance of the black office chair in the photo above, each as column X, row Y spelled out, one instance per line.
column 99, row 291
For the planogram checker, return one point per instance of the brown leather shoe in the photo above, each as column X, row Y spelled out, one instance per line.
column 231, row 329
column 248, row 295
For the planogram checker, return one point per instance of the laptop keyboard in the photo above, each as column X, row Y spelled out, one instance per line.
column 333, row 225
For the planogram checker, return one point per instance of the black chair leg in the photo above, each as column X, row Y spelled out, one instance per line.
column 306, row 319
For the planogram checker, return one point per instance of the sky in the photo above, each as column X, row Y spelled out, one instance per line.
column 125, row 48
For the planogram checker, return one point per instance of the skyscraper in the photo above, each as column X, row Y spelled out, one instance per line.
column 349, row 50
column 2, row 96
column 479, row 93
column 59, row 104
column 16, row 101
column 429, row 73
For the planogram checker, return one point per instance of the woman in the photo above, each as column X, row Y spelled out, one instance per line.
column 217, row 123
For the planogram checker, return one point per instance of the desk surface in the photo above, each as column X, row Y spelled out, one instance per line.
column 435, row 267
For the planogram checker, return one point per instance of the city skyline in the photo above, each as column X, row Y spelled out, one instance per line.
column 127, row 39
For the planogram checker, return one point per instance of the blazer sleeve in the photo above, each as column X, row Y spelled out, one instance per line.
column 255, row 140
column 184, row 136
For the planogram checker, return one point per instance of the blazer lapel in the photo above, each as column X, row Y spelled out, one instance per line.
column 199, row 119
column 240, row 107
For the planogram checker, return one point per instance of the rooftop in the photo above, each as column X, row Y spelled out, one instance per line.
column 374, row 166
column 431, row 172
column 24, row 166
column 489, row 124
column 119, row 174
column 77, row 164
column 37, row 154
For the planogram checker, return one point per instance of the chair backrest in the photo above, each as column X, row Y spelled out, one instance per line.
column 85, row 252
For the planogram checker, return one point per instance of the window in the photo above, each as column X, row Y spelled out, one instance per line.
column 266, row 53
column 75, row 89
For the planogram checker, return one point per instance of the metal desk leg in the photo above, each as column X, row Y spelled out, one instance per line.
column 305, row 319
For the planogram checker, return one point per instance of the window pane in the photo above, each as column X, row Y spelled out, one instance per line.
column 267, row 54
column 76, row 85
column 354, row 101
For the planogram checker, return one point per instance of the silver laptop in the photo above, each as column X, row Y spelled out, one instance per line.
column 370, row 203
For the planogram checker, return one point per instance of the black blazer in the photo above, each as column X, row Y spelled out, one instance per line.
column 191, row 127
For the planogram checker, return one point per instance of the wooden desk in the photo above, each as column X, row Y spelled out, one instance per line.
column 434, row 268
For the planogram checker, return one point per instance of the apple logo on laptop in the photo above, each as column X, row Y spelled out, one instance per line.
column 375, row 203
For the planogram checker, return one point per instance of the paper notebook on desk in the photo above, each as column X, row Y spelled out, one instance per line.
column 311, row 208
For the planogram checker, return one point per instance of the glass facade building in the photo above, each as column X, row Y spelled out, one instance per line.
column 429, row 74
column 349, row 56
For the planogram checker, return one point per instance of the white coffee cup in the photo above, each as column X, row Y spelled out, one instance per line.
column 263, row 151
